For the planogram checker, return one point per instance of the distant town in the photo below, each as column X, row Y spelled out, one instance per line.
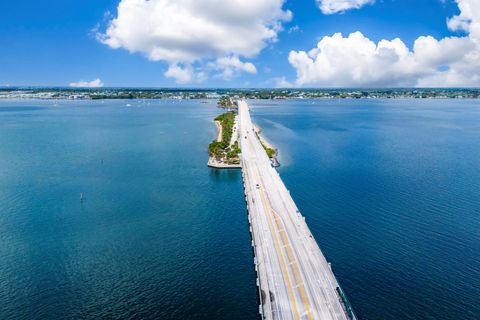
column 266, row 94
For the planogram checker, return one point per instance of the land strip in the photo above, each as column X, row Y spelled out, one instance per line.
column 224, row 152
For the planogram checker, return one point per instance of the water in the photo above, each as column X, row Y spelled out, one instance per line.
column 158, row 235
column 389, row 189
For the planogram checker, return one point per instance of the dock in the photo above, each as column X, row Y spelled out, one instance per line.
column 294, row 279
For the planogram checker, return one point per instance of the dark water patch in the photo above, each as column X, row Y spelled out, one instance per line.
column 20, row 109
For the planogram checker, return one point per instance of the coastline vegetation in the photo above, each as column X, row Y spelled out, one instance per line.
column 222, row 150
column 226, row 97
column 271, row 153
column 226, row 102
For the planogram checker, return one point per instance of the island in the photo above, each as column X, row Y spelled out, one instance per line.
column 226, row 102
column 224, row 152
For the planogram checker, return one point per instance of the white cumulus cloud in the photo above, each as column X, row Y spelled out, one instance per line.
column 356, row 61
column 185, row 32
column 232, row 65
column 282, row 82
column 97, row 83
column 181, row 75
column 469, row 18
column 335, row 6
column 185, row 74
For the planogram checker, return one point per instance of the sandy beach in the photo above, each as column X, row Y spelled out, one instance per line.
column 258, row 130
column 220, row 131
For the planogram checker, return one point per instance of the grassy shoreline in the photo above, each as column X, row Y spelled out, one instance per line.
column 269, row 149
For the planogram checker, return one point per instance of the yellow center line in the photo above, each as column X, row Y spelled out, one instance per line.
column 270, row 213
column 290, row 256
column 277, row 247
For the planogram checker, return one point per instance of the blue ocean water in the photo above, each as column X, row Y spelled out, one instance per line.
column 390, row 189
column 158, row 235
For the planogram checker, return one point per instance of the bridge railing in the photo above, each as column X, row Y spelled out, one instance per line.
column 346, row 304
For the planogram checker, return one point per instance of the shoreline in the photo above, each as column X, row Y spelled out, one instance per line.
column 267, row 144
column 212, row 163
column 224, row 161
column 87, row 98
column 219, row 130
column 227, row 94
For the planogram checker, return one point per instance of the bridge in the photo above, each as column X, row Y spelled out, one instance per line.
column 295, row 280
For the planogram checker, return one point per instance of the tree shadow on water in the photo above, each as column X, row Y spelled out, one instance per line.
column 225, row 175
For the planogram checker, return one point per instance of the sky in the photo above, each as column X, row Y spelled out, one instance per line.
column 240, row 43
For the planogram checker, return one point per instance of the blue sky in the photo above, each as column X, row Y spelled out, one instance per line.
column 59, row 42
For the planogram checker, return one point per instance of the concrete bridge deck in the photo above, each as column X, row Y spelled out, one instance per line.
column 294, row 278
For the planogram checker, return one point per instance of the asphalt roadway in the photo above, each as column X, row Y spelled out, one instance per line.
column 294, row 278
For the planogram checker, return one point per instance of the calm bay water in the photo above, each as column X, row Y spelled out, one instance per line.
column 390, row 189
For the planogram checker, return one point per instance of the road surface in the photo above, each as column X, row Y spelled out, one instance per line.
column 295, row 280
